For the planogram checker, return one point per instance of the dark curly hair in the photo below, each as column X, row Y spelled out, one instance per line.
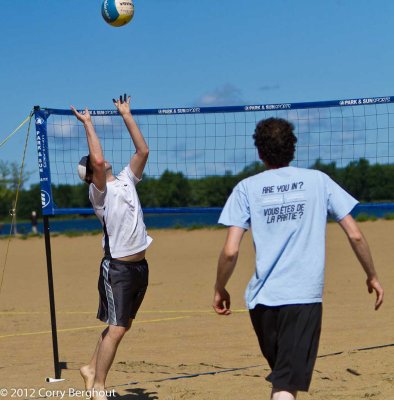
column 275, row 141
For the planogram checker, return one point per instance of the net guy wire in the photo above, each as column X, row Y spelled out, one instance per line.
column 15, row 203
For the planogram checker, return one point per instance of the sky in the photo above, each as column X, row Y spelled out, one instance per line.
column 182, row 53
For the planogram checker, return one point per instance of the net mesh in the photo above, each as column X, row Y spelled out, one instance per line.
column 200, row 145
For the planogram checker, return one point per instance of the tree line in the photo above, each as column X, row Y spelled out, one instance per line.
column 366, row 182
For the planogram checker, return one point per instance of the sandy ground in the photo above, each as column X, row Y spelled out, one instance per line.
column 178, row 348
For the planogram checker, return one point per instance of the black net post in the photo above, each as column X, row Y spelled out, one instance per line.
column 51, row 297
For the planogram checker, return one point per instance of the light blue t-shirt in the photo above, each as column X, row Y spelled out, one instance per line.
column 287, row 210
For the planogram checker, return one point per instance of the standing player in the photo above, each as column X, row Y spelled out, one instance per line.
column 124, row 270
column 34, row 222
column 287, row 209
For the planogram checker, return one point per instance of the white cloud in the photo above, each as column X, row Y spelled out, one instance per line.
column 224, row 95
column 267, row 87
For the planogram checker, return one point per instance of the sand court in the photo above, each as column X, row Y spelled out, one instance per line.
column 178, row 347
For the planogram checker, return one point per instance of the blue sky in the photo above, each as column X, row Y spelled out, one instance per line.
column 179, row 53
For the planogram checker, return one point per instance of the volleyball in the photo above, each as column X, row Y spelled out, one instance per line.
column 117, row 12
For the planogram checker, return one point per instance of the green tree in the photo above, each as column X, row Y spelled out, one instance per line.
column 354, row 177
column 364, row 181
column 212, row 191
column 29, row 200
column 173, row 190
column 330, row 169
column 147, row 192
column 252, row 169
column 9, row 182
column 380, row 181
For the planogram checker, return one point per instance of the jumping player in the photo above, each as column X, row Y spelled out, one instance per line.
column 286, row 208
column 124, row 270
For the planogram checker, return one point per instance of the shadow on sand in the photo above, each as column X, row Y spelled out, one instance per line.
column 136, row 394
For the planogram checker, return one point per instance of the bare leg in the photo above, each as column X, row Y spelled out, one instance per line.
column 278, row 394
column 89, row 371
column 105, row 357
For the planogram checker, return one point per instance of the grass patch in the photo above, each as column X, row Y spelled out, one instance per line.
column 76, row 233
column 22, row 236
column 362, row 217
column 191, row 227
column 196, row 227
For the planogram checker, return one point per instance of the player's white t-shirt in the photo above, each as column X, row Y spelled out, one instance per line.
column 287, row 210
column 119, row 207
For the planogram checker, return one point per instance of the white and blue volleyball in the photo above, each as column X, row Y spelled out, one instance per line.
column 117, row 12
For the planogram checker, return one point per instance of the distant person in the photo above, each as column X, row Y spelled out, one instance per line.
column 286, row 209
column 124, row 270
column 34, row 222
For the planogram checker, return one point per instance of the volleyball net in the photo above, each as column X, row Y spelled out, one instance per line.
column 201, row 142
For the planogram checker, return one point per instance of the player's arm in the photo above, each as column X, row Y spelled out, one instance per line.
column 96, row 155
column 226, row 264
column 361, row 249
column 140, row 157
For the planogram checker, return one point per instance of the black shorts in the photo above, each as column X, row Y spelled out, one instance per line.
column 289, row 340
column 122, row 286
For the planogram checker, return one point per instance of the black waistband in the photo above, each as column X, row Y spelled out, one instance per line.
column 123, row 262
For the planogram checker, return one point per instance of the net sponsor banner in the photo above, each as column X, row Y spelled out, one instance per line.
column 40, row 117
column 242, row 108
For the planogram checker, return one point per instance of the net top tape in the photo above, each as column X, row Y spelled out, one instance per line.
column 243, row 108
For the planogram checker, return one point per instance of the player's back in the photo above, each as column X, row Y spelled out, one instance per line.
column 287, row 210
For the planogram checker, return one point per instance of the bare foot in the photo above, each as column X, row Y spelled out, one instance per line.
column 87, row 374
column 98, row 394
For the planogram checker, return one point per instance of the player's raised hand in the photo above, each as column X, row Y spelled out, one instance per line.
column 123, row 104
column 83, row 117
